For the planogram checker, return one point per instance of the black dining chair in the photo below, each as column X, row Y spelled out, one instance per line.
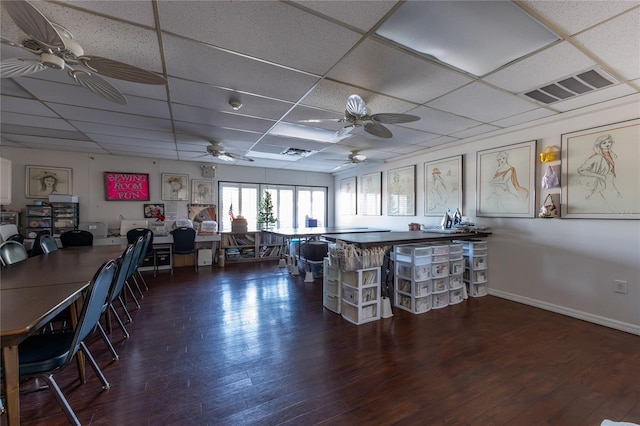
column 12, row 252
column 36, row 248
column 44, row 355
column 76, row 238
column 184, row 241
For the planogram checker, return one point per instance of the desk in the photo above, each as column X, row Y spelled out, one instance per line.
column 32, row 293
column 379, row 239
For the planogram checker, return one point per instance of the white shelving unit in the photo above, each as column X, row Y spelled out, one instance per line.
column 475, row 273
column 331, row 287
column 360, row 299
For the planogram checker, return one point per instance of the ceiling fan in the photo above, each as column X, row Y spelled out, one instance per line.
column 356, row 159
column 216, row 150
column 357, row 115
column 55, row 48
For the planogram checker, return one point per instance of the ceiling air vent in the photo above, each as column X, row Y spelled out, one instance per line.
column 569, row 87
column 297, row 152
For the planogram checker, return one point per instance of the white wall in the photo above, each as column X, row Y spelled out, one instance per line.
column 563, row 265
column 88, row 183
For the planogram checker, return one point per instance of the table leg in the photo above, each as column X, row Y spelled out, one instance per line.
column 11, row 383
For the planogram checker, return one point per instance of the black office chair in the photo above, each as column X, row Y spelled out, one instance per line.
column 16, row 237
column 76, row 238
column 43, row 355
column 12, row 252
column 184, row 241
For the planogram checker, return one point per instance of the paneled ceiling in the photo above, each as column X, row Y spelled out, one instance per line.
column 291, row 61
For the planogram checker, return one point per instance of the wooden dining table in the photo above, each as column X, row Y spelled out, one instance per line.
column 32, row 293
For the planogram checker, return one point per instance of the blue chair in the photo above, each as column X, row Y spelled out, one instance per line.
column 147, row 251
column 48, row 244
column 137, row 252
column 184, row 241
column 43, row 355
column 76, row 238
column 36, row 248
column 12, row 252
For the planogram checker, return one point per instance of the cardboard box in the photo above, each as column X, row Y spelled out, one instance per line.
column 183, row 260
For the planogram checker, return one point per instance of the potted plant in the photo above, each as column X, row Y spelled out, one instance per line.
column 265, row 212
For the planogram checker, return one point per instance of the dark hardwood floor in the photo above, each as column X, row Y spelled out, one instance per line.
column 252, row 345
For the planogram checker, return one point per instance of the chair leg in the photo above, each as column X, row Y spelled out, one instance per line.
column 120, row 323
column 124, row 308
column 144, row 282
column 94, row 365
column 57, row 393
column 133, row 296
column 114, row 354
column 135, row 282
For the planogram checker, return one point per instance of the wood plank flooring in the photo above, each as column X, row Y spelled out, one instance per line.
column 252, row 345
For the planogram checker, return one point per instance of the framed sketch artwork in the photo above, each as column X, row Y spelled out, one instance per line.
column 600, row 173
column 443, row 186
column 175, row 187
column 401, row 191
column 370, row 196
column 506, row 181
column 43, row 181
column 347, row 196
column 201, row 191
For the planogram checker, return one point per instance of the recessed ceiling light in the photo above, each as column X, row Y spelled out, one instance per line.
column 300, row 131
column 474, row 36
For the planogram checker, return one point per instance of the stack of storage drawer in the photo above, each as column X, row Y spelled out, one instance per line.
column 331, row 286
column 475, row 273
column 440, row 276
column 413, row 284
column 360, row 295
column 456, row 271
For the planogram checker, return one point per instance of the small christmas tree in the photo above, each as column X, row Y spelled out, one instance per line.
column 265, row 211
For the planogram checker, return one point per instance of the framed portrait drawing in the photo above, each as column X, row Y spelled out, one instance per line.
column 506, row 181
column 348, row 198
column 401, row 191
column 43, row 181
column 175, row 187
column 370, row 197
column 201, row 191
column 443, row 186
column 600, row 172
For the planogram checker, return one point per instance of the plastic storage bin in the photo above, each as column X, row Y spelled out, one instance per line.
column 476, row 262
column 456, row 267
column 440, row 300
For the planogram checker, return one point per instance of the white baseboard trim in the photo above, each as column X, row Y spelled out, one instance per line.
column 607, row 322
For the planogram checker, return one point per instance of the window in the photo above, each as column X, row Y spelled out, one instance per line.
column 291, row 204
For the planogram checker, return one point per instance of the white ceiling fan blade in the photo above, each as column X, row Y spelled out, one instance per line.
column 322, row 120
column 343, row 165
column 390, row 118
column 98, row 85
column 18, row 67
column 356, row 106
column 120, row 70
column 377, row 129
column 32, row 22
column 238, row 157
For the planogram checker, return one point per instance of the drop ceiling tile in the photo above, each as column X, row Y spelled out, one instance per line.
column 242, row 27
column 32, row 141
column 234, row 72
column 109, row 38
column 592, row 98
column 140, row 12
column 554, row 63
column 379, row 67
column 8, row 86
column 524, row 117
column 617, row 42
column 213, row 132
column 25, row 106
column 475, row 131
column 120, row 131
column 22, row 119
column 106, row 141
column 481, row 102
column 439, row 122
column 110, row 117
column 164, row 155
column 572, row 16
column 361, row 14
column 41, row 131
column 209, row 117
column 207, row 96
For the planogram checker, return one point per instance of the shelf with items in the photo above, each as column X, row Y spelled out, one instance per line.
column 360, row 299
column 331, row 287
column 250, row 246
column 11, row 218
column 65, row 217
column 37, row 218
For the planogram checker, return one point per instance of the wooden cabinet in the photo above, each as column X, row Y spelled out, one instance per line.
column 250, row 246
